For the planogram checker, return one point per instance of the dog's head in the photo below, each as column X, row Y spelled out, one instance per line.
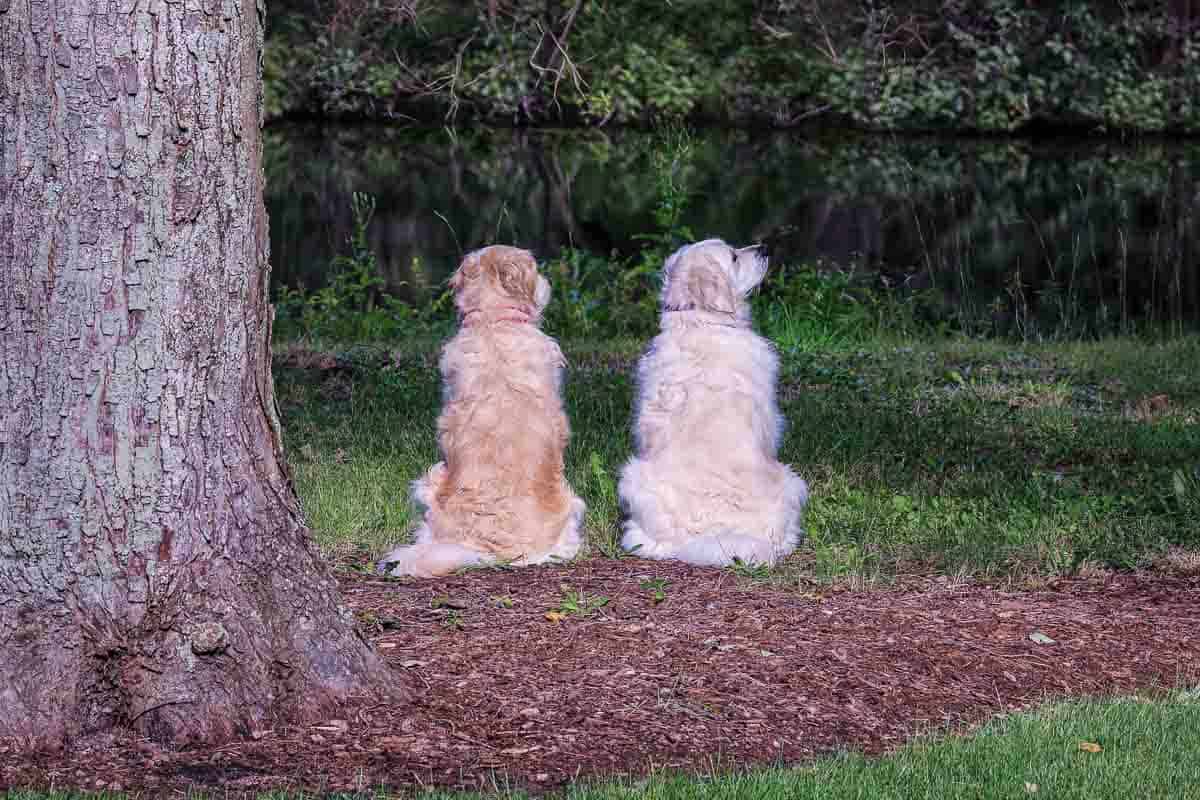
column 497, row 281
column 713, row 277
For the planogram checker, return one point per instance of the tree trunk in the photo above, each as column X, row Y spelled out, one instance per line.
column 155, row 570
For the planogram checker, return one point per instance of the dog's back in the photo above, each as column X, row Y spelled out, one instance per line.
column 705, row 485
column 707, row 390
column 503, row 432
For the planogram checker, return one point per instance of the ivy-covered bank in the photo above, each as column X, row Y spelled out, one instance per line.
column 955, row 65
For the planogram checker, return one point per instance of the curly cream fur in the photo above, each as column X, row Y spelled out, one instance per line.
column 500, row 492
column 704, row 485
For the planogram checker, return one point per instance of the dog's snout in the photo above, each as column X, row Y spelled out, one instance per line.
column 759, row 250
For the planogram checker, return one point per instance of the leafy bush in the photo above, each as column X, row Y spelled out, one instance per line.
column 985, row 65
column 352, row 306
column 807, row 308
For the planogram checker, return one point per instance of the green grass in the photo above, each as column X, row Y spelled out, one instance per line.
column 1148, row 750
column 959, row 456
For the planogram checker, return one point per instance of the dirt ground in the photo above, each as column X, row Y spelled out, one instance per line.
column 525, row 678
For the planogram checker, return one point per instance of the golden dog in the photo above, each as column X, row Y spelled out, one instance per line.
column 499, row 493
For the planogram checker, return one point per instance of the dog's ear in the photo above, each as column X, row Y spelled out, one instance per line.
column 468, row 270
column 518, row 279
column 458, row 278
column 541, row 295
column 517, row 276
column 750, row 267
column 709, row 289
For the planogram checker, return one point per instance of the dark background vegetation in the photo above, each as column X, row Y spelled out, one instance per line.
column 1063, row 237
column 945, row 65
column 1040, row 227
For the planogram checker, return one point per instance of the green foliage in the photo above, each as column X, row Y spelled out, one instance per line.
column 819, row 308
column 607, row 537
column 352, row 306
column 987, row 65
column 752, row 570
column 657, row 587
column 578, row 603
column 618, row 300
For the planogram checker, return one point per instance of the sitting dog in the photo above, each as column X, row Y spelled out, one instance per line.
column 704, row 485
column 500, row 492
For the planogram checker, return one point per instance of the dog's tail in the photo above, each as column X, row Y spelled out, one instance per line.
column 430, row 559
column 425, row 558
column 424, row 489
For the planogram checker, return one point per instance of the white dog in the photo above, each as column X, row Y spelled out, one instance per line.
column 704, row 485
column 500, row 492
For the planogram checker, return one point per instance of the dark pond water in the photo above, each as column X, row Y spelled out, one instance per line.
column 1101, row 221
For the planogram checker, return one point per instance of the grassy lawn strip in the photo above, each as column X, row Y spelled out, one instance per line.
column 1148, row 750
column 957, row 456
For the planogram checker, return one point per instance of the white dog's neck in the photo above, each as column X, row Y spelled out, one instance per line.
column 490, row 316
column 690, row 316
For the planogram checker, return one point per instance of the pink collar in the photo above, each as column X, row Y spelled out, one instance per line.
column 512, row 314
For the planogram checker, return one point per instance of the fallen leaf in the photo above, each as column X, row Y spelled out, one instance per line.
column 1031, row 788
column 1037, row 637
column 1090, row 747
column 555, row 616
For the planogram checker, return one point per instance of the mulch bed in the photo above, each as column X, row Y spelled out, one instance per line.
column 720, row 670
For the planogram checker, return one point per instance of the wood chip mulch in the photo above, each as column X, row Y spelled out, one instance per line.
column 719, row 672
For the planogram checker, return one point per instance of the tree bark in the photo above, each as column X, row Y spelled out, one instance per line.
column 155, row 568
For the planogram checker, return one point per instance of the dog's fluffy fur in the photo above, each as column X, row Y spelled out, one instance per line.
column 704, row 485
column 499, row 493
